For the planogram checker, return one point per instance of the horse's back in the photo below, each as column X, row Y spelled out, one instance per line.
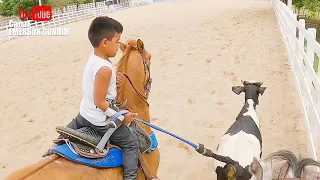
column 55, row 167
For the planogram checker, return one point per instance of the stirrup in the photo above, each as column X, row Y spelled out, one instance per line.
column 48, row 153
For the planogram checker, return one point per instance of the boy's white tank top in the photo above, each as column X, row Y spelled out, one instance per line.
column 88, row 109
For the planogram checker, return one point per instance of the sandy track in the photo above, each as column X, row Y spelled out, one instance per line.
column 199, row 51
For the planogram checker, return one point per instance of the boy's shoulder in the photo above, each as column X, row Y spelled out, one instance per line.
column 98, row 60
column 96, row 63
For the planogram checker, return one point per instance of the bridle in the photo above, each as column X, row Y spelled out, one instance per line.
column 147, row 86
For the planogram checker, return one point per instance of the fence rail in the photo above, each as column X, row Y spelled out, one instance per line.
column 301, row 46
column 84, row 11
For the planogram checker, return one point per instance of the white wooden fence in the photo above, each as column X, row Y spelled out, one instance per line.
column 302, row 47
column 84, row 11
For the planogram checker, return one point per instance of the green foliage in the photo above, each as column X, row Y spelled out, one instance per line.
column 313, row 6
column 298, row 4
column 10, row 7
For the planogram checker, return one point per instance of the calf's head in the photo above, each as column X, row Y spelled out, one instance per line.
column 254, row 171
column 251, row 90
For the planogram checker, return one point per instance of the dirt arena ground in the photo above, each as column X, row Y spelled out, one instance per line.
column 200, row 49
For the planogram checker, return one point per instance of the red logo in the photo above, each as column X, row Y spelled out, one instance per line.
column 38, row 13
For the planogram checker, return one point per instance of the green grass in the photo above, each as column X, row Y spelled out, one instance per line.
column 316, row 63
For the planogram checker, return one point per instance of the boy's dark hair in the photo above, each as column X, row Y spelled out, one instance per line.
column 103, row 27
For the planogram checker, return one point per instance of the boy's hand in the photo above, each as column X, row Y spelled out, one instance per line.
column 119, row 78
column 128, row 118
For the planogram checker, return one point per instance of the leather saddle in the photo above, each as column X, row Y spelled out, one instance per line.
column 85, row 140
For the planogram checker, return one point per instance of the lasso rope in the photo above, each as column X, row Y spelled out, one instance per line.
column 167, row 132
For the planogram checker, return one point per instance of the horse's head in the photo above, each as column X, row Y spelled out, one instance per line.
column 252, row 89
column 234, row 171
column 135, row 66
column 138, row 45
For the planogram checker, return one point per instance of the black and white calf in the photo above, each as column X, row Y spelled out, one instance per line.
column 242, row 142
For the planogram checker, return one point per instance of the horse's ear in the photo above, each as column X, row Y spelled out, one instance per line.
column 122, row 46
column 237, row 89
column 256, row 169
column 262, row 89
column 140, row 45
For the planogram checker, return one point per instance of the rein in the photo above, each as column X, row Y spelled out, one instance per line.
column 144, row 98
column 148, row 85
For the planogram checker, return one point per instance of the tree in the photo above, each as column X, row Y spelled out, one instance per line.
column 317, row 9
column 10, row 7
column 298, row 4
column 311, row 6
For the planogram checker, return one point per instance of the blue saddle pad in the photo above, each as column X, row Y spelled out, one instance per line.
column 112, row 159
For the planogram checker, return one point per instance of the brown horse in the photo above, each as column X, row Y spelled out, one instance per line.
column 134, row 86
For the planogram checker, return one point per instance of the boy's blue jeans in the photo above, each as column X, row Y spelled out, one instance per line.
column 123, row 138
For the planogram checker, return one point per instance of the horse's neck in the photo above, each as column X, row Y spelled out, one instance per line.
column 134, row 103
column 133, row 67
column 143, row 112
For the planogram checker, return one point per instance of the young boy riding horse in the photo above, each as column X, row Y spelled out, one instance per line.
column 100, row 93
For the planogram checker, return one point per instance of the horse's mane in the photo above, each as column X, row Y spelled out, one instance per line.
column 297, row 165
column 122, row 63
column 285, row 155
column 303, row 163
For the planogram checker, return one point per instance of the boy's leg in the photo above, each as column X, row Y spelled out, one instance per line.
column 129, row 144
column 76, row 123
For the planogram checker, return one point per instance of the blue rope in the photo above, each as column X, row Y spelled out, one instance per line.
column 171, row 134
column 123, row 112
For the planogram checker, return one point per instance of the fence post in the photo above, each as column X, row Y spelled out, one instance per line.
column 310, row 56
column 302, row 24
column 289, row 4
column 310, row 51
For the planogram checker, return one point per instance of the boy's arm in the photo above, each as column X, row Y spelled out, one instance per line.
column 101, row 86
